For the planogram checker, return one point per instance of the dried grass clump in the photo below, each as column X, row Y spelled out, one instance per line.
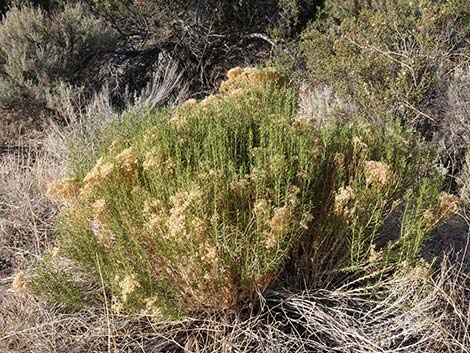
column 411, row 311
column 203, row 213
column 26, row 215
column 465, row 181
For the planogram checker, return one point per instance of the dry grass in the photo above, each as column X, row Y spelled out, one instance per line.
column 407, row 313
column 25, row 228
column 25, row 214
column 464, row 181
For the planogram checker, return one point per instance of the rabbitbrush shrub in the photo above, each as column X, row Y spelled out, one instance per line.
column 200, row 208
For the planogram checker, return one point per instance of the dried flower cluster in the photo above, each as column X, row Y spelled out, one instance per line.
column 127, row 162
column 449, row 205
column 102, row 171
column 241, row 78
column 343, row 198
column 378, row 173
column 128, row 285
column 64, row 189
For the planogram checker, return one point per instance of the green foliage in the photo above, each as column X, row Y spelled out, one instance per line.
column 41, row 55
column 199, row 209
column 386, row 58
column 56, row 282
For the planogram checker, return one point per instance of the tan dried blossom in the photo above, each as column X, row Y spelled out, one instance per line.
column 210, row 102
column 277, row 161
column 241, row 186
column 237, row 93
column 113, row 147
column 72, row 212
column 449, row 205
column 87, row 191
column 117, row 306
column 280, row 220
column 429, row 219
column 176, row 222
column 303, row 121
column 128, row 161
column 178, row 121
column 358, row 144
column 106, row 171
column 395, row 204
column 64, row 189
column 375, row 255
column 270, row 240
column 360, row 153
column 377, row 173
column 151, row 308
column 209, row 254
column 150, row 136
column 261, row 207
column 271, row 74
column 20, row 283
column 151, row 162
column 254, row 76
column 421, row 271
column 104, row 236
column 92, row 177
column 248, row 77
column 199, row 227
column 101, row 171
column 99, row 210
column 342, row 198
column 306, row 221
column 233, row 73
column 170, row 166
column 293, row 197
column 339, row 159
column 227, row 86
column 151, row 206
column 189, row 105
column 128, row 285
column 156, row 223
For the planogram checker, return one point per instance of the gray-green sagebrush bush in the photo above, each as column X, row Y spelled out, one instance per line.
column 201, row 208
column 388, row 58
column 42, row 55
